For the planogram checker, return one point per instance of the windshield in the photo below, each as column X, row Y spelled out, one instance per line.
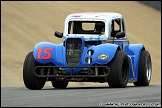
column 86, row 27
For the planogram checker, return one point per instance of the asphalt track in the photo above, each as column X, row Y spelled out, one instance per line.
column 81, row 96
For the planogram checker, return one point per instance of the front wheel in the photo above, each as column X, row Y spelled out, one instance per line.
column 30, row 80
column 60, row 84
column 119, row 70
column 144, row 69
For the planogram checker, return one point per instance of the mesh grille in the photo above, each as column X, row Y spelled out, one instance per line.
column 73, row 51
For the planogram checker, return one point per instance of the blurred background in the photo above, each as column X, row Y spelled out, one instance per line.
column 25, row 23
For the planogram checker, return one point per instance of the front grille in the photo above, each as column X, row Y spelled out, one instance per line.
column 73, row 51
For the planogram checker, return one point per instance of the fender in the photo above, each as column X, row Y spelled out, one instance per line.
column 134, row 50
column 46, row 52
column 103, row 54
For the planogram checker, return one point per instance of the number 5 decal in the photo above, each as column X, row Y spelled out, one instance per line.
column 46, row 51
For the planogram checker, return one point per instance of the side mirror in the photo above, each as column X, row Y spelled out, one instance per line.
column 58, row 34
column 120, row 34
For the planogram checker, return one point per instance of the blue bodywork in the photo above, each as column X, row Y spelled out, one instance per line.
column 47, row 52
column 134, row 50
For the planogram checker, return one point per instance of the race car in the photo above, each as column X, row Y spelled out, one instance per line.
column 95, row 48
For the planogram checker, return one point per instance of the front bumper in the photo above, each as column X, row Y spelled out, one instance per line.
column 87, row 72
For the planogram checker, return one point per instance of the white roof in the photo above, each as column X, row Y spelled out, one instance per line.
column 96, row 15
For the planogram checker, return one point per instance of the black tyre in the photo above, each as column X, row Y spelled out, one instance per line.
column 144, row 69
column 30, row 80
column 119, row 70
column 60, row 84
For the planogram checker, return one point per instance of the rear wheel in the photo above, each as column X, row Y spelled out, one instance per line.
column 119, row 70
column 144, row 69
column 30, row 80
column 60, row 84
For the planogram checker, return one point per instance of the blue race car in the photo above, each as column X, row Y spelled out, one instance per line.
column 95, row 48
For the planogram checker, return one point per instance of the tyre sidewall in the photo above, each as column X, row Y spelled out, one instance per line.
column 115, row 76
column 142, row 69
column 30, row 80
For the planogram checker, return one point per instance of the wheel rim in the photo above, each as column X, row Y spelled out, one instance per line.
column 148, row 69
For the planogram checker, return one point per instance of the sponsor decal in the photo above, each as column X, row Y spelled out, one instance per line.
column 103, row 56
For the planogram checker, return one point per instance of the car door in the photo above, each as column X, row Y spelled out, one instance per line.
column 117, row 25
